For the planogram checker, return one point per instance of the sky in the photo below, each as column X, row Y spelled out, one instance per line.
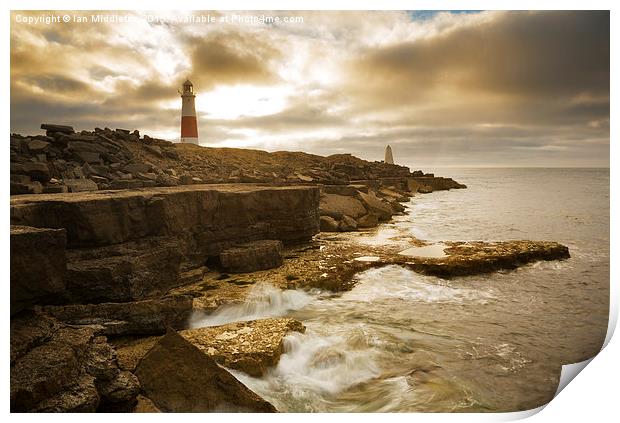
column 442, row 88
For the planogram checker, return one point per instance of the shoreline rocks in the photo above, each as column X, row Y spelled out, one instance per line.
column 177, row 377
column 120, row 159
column 251, row 346
column 132, row 245
column 152, row 316
column 477, row 257
column 60, row 368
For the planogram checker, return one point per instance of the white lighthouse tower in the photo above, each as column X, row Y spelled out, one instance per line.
column 189, row 126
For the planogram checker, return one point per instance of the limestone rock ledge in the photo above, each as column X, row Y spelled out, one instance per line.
column 136, row 244
column 144, row 317
column 471, row 258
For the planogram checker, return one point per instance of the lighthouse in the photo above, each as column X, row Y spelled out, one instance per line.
column 189, row 126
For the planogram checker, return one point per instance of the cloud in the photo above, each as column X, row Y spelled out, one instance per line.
column 232, row 58
column 504, row 88
column 515, row 54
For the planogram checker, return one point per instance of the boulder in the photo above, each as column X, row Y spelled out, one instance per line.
column 38, row 146
column 425, row 189
column 369, row 220
column 119, row 393
column 82, row 143
column 155, row 149
column 49, row 127
column 251, row 347
column 79, row 397
column 55, row 189
column 59, row 368
column 144, row 317
column 347, row 224
column 186, row 180
column 394, row 195
column 397, row 207
column 167, row 180
column 126, row 184
column 38, row 266
column 130, row 350
column 329, row 224
column 375, row 205
column 88, row 156
column 135, row 168
column 336, row 206
column 346, row 190
column 252, row 256
column 80, row 185
column 145, row 405
column 178, row 377
column 37, row 171
column 33, row 187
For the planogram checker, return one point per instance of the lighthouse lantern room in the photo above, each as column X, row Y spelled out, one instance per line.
column 189, row 126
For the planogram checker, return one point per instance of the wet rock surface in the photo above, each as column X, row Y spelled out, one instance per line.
column 251, row 347
column 177, row 377
column 471, row 258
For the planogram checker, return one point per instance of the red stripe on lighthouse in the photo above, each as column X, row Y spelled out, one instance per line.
column 189, row 127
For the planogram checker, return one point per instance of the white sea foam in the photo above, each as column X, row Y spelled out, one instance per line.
column 319, row 365
column 263, row 301
column 398, row 282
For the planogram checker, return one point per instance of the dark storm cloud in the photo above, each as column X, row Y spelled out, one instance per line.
column 232, row 57
column 518, row 53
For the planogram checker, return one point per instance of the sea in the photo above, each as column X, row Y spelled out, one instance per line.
column 404, row 342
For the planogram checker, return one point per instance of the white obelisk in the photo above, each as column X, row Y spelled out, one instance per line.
column 388, row 155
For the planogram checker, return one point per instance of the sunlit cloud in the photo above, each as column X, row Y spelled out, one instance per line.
column 510, row 88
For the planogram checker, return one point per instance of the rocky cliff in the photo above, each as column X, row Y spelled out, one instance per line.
column 65, row 160
column 133, row 245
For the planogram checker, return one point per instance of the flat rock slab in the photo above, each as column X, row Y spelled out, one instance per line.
column 220, row 213
column 144, row 317
column 471, row 258
column 251, row 347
